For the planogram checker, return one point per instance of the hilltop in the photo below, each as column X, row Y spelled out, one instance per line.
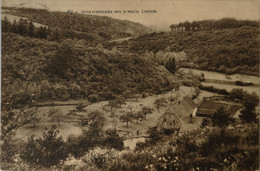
column 102, row 26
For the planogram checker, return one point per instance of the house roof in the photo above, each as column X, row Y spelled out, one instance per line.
column 182, row 107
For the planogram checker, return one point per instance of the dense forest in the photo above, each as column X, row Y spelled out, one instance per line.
column 25, row 28
column 229, row 51
column 65, row 71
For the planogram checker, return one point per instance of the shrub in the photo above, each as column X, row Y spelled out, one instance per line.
column 213, row 89
column 46, row 151
column 113, row 140
column 237, row 93
column 127, row 94
column 80, row 106
column 240, row 83
column 93, row 98
column 221, row 118
column 248, row 113
column 154, row 135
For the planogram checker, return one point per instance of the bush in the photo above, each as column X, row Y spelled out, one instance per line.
column 113, row 140
column 237, row 93
column 46, row 151
column 214, row 90
column 80, row 106
column 154, row 135
column 221, row 118
column 93, row 98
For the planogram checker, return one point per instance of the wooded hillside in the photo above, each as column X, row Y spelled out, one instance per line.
column 233, row 50
column 105, row 27
column 66, row 71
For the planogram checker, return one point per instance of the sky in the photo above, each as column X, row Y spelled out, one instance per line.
column 167, row 11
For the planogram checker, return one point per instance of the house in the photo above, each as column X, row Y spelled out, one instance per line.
column 209, row 106
column 173, row 118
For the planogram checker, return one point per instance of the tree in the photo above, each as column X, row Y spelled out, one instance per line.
column 170, row 65
column 237, row 93
column 46, row 151
column 117, row 81
column 16, row 111
column 126, row 117
column 14, row 27
column 154, row 135
column 112, row 104
column 113, row 115
column 33, row 118
column 96, row 120
column 160, row 102
column 221, row 118
column 120, row 100
column 55, row 35
column 42, row 32
column 64, row 61
column 22, row 27
column 138, row 115
column 80, row 107
column 31, row 29
column 6, row 25
column 52, row 112
column 205, row 122
column 113, row 140
column 248, row 113
column 127, row 94
column 146, row 110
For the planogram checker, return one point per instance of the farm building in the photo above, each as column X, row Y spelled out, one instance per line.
column 173, row 118
column 208, row 107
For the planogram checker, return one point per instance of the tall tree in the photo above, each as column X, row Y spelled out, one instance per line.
column 126, row 117
column 97, row 120
column 146, row 110
column 31, row 29
column 6, row 25
column 170, row 64
column 160, row 102
column 64, row 61
column 248, row 113
column 221, row 118
column 22, row 27
column 138, row 115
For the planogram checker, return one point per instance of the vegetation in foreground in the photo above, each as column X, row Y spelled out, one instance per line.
column 223, row 142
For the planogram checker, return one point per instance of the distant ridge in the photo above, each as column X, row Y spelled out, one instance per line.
column 30, row 5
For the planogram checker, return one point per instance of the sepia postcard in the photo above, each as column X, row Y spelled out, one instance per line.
column 129, row 85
